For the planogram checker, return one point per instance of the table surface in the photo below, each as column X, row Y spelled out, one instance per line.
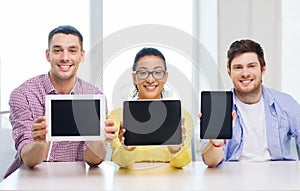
column 272, row 175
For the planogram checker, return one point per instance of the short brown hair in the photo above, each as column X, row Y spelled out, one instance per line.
column 243, row 46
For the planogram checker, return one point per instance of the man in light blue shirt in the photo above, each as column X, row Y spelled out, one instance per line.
column 265, row 120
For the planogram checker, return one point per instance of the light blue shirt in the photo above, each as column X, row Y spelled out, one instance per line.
column 282, row 123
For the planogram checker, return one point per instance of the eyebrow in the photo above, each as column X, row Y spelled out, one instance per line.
column 238, row 64
column 252, row 63
column 59, row 46
column 157, row 67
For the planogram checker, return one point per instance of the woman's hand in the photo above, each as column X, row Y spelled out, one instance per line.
column 122, row 138
column 177, row 148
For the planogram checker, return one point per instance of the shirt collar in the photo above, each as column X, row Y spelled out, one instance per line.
column 266, row 94
column 49, row 88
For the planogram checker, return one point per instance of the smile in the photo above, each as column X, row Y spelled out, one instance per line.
column 246, row 82
column 152, row 87
column 65, row 68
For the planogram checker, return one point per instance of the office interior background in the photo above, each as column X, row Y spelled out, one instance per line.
column 194, row 36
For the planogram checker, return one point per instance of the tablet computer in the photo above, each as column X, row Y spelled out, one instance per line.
column 152, row 122
column 216, row 120
column 75, row 117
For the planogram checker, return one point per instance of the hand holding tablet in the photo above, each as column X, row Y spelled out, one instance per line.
column 75, row 117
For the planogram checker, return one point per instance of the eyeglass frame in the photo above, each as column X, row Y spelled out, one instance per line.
column 148, row 72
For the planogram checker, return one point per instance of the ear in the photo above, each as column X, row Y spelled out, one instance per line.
column 166, row 76
column 47, row 53
column 263, row 70
column 229, row 72
column 82, row 55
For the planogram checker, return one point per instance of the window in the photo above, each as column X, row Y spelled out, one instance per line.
column 144, row 24
column 24, row 31
column 290, row 48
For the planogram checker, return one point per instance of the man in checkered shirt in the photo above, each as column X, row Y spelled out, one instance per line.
column 27, row 106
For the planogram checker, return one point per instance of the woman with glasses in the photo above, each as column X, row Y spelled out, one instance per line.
column 149, row 77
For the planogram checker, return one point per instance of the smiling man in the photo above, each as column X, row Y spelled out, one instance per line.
column 266, row 119
column 27, row 106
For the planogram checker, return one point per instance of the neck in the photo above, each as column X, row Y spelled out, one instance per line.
column 63, row 86
column 249, row 97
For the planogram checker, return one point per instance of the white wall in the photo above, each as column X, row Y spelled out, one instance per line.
column 259, row 20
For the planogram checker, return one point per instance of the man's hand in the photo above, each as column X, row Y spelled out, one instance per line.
column 110, row 130
column 39, row 129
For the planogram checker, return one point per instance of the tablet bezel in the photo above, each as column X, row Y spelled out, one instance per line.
column 156, row 100
column 50, row 98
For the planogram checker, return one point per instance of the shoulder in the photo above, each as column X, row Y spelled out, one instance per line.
column 281, row 101
column 116, row 115
column 278, row 96
column 29, row 85
column 31, row 88
column 185, row 113
column 84, row 87
column 116, row 112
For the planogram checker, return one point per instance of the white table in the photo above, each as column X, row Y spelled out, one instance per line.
column 275, row 175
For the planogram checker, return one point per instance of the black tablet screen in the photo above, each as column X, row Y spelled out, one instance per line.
column 216, row 120
column 152, row 122
column 75, row 117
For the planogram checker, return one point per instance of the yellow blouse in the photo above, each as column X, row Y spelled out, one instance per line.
column 125, row 158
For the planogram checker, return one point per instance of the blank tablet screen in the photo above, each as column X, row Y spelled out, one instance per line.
column 216, row 120
column 75, row 117
column 152, row 122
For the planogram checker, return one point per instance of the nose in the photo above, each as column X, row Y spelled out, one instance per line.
column 150, row 78
column 245, row 72
column 64, row 56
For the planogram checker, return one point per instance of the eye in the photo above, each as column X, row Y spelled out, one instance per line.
column 237, row 67
column 73, row 51
column 56, row 50
column 143, row 72
column 157, row 72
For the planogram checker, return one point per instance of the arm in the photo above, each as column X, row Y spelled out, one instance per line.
column 123, row 155
column 95, row 152
column 213, row 153
column 183, row 156
column 36, row 152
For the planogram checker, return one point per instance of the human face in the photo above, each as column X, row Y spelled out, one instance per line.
column 246, row 74
column 65, row 54
column 150, row 88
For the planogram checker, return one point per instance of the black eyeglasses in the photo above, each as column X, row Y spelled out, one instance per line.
column 143, row 74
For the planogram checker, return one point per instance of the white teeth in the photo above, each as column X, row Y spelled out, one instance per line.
column 150, row 87
column 64, row 66
column 246, row 81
